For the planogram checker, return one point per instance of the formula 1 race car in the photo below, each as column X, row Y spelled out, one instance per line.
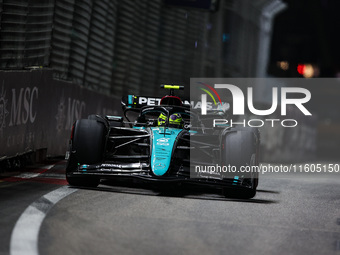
column 167, row 141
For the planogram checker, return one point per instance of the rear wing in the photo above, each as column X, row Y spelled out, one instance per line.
column 137, row 102
column 133, row 101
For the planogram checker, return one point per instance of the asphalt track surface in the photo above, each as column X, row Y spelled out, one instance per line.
column 291, row 214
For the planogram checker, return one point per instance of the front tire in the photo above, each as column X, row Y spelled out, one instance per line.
column 240, row 149
column 86, row 147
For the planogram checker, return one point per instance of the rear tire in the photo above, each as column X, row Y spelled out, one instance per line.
column 86, row 147
column 240, row 149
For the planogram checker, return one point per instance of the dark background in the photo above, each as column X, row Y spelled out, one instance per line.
column 307, row 32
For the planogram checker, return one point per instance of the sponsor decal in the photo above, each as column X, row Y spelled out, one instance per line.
column 164, row 144
column 148, row 101
column 159, row 166
column 16, row 111
column 3, row 108
column 163, row 141
column 138, row 101
column 68, row 111
column 22, row 109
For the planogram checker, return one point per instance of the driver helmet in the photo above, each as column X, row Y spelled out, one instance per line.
column 161, row 120
column 175, row 120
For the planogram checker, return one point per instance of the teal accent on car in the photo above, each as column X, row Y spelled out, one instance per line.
column 130, row 99
column 236, row 178
column 83, row 168
column 163, row 140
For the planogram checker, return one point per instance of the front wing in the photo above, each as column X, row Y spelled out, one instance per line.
column 142, row 171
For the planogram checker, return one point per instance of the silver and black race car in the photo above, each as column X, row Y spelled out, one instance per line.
column 167, row 141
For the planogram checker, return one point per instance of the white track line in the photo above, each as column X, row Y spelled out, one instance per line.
column 24, row 239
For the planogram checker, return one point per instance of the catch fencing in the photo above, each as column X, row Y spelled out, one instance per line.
column 110, row 46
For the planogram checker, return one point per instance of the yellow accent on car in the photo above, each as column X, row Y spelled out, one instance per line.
column 171, row 86
column 161, row 120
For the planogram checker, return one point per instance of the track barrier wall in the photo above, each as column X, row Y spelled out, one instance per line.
column 37, row 111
